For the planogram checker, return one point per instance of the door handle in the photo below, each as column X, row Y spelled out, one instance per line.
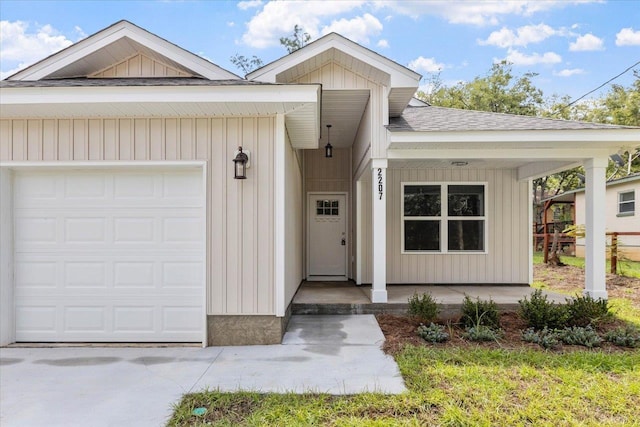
column 344, row 242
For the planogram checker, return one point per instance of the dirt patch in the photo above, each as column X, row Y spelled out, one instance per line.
column 401, row 330
column 570, row 279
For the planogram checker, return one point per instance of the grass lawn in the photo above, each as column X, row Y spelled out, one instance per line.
column 454, row 387
column 467, row 386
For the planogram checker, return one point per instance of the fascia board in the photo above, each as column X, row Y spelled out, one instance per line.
column 165, row 94
column 109, row 35
column 399, row 75
column 609, row 137
column 524, row 153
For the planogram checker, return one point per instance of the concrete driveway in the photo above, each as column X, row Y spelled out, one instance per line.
column 122, row 386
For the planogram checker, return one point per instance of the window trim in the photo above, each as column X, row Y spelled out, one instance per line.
column 620, row 202
column 444, row 218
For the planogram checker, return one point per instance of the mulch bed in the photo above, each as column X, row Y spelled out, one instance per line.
column 401, row 330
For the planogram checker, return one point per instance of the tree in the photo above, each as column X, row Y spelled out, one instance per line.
column 500, row 91
column 297, row 40
column 245, row 64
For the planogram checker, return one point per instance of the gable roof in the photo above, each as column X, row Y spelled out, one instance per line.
column 116, row 43
column 442, row 119
column 333, row 47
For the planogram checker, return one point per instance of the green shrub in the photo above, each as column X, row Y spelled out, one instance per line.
column 479, row 313
column 540, row 313
column 578, row 335
column 545, row 338
column 628, row 336
column 584, row 311
column 424, row 307
column 433, row 333
column 483, row 333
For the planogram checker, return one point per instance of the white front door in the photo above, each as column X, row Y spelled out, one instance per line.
column 327, row 240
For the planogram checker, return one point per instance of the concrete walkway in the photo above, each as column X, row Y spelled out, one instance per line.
column 121, row 386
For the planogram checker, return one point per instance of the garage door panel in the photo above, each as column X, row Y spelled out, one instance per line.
column 115, row 257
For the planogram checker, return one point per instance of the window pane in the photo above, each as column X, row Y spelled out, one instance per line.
column 422, row 200
column 627, row 197
column 627, row 207
column 466, row 235
column 466, row 200
column 422, row 235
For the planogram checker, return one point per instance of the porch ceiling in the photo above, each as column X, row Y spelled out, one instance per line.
column 343, row 110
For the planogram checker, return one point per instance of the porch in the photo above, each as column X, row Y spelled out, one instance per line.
column 349, row 298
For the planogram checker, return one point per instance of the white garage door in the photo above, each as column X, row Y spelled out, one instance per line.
column 109, row 256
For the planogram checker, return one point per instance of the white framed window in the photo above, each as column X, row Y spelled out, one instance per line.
column 444, row 217
column 627, row 203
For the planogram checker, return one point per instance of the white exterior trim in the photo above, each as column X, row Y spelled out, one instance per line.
column 7, row 330
column 359, row 231
column 379, row 190
column 530, row 229
column 279, row 203
column 595, row 228
column 113, row 33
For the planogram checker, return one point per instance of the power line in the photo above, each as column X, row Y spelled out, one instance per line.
column 599, row 87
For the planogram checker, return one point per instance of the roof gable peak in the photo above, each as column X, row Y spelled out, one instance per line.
column 122, row 39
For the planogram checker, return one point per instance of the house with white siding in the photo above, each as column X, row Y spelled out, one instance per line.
column 621, row 215
column 122, row 218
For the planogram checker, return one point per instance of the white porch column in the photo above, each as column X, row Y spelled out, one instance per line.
column 358, row 218
column 595, row 228
column 379, row 230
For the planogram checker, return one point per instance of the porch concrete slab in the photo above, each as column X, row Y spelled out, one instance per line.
column 330, row 293
column 121, row 386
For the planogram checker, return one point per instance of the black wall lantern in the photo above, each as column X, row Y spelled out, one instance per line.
column 240, row 165
column 328, row 149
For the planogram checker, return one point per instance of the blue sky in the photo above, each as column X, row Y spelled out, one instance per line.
column 574, row 46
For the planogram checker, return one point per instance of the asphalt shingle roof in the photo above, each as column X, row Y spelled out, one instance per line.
column 440, row 119
column 142, row 81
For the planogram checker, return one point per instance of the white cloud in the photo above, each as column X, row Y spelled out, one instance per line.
column 569, row 72
column 231, row 24
column 587, row 42
column 357, row 29
column 518, row 58
column 20, row 47
column 250, row 4
column 521, row 37
column 382, row 43
column 427, row 65
column 474, row 12
column 278, row 18
column 628, row 37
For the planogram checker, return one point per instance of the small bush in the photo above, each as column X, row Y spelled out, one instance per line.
column 584, row 311
column 578, row 335
column 628, row 336
column 545, row 338
column 479, row 313
column 483, row 333
column 424, row 307
column 433, row 333
column 540, row 313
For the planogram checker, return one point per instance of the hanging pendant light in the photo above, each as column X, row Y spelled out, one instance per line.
column 328, row 149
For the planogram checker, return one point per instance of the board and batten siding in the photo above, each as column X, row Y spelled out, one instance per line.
column 240, row 212
column 506, row 260
column 294, row 222
column 140, row 65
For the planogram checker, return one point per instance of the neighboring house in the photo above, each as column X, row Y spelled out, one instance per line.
column 621, row 212
column 121, row 220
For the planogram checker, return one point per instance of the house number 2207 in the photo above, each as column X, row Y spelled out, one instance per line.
column 380, row 184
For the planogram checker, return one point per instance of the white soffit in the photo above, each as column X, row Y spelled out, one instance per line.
column 112, row 45
column 343, row 110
